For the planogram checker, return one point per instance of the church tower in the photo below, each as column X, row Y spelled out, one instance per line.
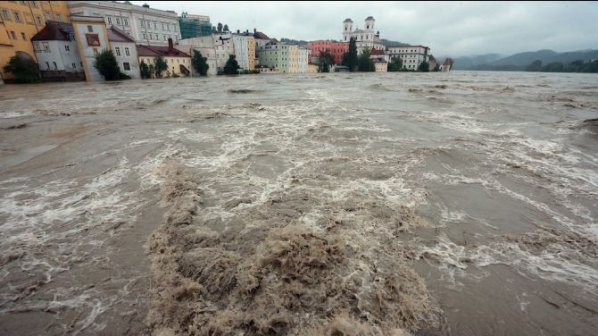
column 347, row 29
column 369, row 23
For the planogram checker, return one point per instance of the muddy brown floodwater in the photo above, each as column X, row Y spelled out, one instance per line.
column 461, row 203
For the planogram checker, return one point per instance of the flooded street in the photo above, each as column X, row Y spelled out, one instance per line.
column 462, row 203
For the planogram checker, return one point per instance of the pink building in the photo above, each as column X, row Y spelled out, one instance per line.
column 337, row 49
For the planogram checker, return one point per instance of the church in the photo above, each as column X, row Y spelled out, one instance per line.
column 367, row 37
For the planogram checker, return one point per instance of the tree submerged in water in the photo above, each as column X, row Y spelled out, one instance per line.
column 231, row 67
column 23, row 70
column 350, row 58
column 199, row 63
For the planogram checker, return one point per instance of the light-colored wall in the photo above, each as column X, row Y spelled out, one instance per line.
column 381, row 67
column 87, row 52
column 57, row 53
column 303, row 60
column 251, row 51
column 132, row 58
column 133, row 20
column 241, row 51
column 203, row 44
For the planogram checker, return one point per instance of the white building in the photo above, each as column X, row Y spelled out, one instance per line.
column 92, row 38
column 203, row 44
column 144, row 24
column 241, row 51
column 303, row 60
column 224, row 47
column 56, row 51
column 364, row 38
column 411, row 56
column 125, row 52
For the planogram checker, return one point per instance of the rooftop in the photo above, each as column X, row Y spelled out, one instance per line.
column 55, row 31
column 159, row 51
column 116, row 35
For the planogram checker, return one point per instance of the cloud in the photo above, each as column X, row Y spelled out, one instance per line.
column 449, row 28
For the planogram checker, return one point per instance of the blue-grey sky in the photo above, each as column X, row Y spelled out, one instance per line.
column 448, row 28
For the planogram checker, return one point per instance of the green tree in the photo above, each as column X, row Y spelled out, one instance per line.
column 366, row 64
column 326, row 61
column 199, row 63
column 591, row 67
column 219, row 27
column 107, row 65
column 553, row 67
column 225, row 28
column 144, row 70
column 159, row 66
column 395, row 64
column 423, row 67
column 350, row 58
column 534, row 66
column 231, row 67
column 23, row 70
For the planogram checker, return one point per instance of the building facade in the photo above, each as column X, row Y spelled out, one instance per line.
column 125, row 52
column 20, row 21
column 285, row 58
column 144, row 24
column 241, row 50
column 411, row 56
column 56, row 52
column 92, row 38
column 178, row 62
column 364, row 38
column 204, row 45
column 336, row 49
column 194, row 25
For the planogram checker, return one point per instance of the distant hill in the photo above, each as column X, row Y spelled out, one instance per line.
column 467, row 62
column 389, row 43
column 521, row 60
column 293, row 42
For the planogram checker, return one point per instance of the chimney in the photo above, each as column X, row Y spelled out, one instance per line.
column 169, row 43
column 254, row 30
column 238, row 31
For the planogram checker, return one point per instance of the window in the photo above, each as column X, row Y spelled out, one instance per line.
column 17, row 16
column 74, row 66
column 167, row 27
column 89, row 29
column 155, row 25
column 48, row 16
column 34, row 4
column 117, row 49
column 174, row 27
column 67, row 48
column 127, row 52
column 55, row 66
column 38, row 19
column 6, row 15
column 81, row 63
column 144, row 36
column 141, row 23
column 164, row 36
column 126, row 66
column 95, row 51
column 163, row 26
column 109, row 20
column 23, row 36
column 47, row 66
column 126, row 22
column 150, row 36
column 58, row 17
column 157, row 37
column 118, row 21
column 46, row 46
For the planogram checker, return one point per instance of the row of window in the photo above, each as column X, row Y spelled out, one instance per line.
column 157, row 37
column 117, row 50
column 400, row 51
column 119, row 20
column 21, row 17
column 13, row 36
column 155, row 25
column 73, row 65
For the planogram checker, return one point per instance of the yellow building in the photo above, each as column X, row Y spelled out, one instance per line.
column 251, row 52
column 312, row 68
column 20, row 20
column 177, row 62
column 292, row 59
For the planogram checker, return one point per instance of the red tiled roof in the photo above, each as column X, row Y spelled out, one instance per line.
column 55, row 31
column 159, row 51
column 377, row 52
column 116, row 35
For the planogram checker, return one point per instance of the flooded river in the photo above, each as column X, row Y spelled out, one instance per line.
column 461, row 203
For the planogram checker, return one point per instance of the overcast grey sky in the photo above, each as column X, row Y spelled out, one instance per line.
column 448, row 28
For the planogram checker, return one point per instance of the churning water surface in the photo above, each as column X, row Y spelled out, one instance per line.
column 460, row 203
